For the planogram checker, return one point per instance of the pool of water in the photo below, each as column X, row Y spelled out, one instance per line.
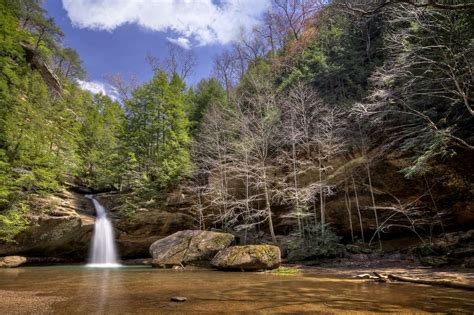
column 144, row 290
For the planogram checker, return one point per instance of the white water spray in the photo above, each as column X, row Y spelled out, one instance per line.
column 103, row 253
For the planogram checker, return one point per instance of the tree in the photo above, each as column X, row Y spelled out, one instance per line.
column 212, row 154
column 69, row 64
column 101, row 146
column 423, row 89
column 178, row 61
column 292, row 15
column 259, row 125
column 373, row 7
column 206, row 93
column 339, row 58
column 226, row 70
column 158, row 130
column 123, row 85
column 301, row 111
column 46, row 31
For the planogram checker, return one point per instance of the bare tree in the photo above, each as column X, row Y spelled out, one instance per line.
column 372, row 7
column 212, row 152
column 178, row 61
column 226, row 70
column 259, row 125
column 248, row 48
column 313, row 134
column 123, row 86
column 292, row 15
column 358, row 208
column 300, row 115
column 422, row 94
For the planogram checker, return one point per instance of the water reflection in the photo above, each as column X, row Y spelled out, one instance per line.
column 100, row 288
column 82, row 290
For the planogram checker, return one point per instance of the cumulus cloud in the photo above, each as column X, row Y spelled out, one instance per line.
column 201, row 21
column 182, row 42
column 97, row 87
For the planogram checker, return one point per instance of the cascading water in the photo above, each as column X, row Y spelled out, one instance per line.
column 103, row 252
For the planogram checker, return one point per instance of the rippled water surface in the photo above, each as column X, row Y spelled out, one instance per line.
column 143, row 290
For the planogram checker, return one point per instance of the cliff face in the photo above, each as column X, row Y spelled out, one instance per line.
column 136, row 232
column 61, row 227
column 47, row 74
column 63, row 224
column 440, row 201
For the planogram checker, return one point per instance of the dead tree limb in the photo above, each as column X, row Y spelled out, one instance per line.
column 443, row 283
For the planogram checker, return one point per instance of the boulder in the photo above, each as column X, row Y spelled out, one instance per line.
column 248, row 257
column 12, row 261
column 188, row 247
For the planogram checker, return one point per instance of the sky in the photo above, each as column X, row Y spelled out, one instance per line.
column 114, row 36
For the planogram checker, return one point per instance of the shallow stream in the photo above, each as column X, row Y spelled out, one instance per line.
column 143, row 290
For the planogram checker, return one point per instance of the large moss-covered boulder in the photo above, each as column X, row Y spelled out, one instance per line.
column 249, row 257
column 12, row 261
column 188, row 248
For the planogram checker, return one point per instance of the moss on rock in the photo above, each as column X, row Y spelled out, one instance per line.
column 248, row 257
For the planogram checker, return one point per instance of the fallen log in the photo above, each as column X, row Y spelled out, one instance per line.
column 443, row 283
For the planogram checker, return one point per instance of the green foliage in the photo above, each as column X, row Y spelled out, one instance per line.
column 13, row 222
column 422, row 91
column 207, row 93
column 286, row 271
column 101, row 148
column 69, row 64
column 340, row 58
column 157, row 130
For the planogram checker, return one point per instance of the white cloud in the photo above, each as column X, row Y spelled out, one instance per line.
column 183, row 42
column 97, row 87
column 201, row 21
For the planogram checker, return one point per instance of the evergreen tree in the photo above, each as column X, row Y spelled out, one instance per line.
column 207, row 93
column 158, row 130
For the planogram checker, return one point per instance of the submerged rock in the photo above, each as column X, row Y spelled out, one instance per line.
column 12, row 261
column 178, row 299
column 188, row 248
column 249, row 257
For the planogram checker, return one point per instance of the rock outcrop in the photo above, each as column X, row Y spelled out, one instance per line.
column 37, row 62
column 12, row 261
column 136, row 232
column 61, row 227
column 449, row 249
column 249, row 257
column 189, row 248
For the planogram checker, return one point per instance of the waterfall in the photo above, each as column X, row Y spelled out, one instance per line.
column 103, row 252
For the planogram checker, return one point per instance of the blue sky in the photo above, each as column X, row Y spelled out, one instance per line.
column 114, row 36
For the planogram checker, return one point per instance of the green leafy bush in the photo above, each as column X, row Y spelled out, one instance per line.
column 13, row 221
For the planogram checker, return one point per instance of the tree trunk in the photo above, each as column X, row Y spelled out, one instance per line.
column 267, row 205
